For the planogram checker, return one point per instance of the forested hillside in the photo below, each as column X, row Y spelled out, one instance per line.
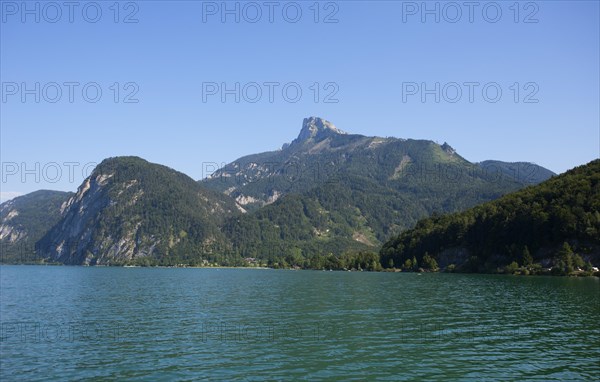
column 554, row 224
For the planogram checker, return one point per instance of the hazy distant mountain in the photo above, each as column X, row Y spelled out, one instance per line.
column 24, row 220
column 525, row 172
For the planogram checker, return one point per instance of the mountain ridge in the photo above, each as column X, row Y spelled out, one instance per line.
column 327, row 191
column 257, row 180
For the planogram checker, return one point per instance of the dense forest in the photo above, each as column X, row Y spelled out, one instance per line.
column 551, row 227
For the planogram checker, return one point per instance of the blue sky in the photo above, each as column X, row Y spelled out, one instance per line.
column 374, row 61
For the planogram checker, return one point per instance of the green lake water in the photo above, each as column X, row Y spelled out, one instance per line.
column 73, row 323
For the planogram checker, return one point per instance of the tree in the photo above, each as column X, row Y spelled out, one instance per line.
column 527, row 258
column 429, row 262
column 578, row 261
column 565, row 258
column 512, row 267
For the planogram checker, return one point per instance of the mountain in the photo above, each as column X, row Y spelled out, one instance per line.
column 326, row 193
column 555, row 223
column 528, row 173
column 130, row 210
column 330, row 191
column 24, row 220
column 260, row 179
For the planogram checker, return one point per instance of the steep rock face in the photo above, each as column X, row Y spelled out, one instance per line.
column 72, row 237
column 129, row 209
column 25, row 219
column 9, row 232
column 316, row 129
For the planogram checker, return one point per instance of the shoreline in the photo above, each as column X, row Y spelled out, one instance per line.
column 548, row 274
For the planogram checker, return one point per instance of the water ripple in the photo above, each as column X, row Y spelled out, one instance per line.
column 69, row 323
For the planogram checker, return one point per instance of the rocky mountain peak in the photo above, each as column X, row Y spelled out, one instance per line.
column 315, row 127
column 448, row 149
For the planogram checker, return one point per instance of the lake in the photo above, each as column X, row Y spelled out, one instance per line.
column 70, row 323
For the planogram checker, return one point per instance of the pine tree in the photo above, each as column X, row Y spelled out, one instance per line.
column 527, row 258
